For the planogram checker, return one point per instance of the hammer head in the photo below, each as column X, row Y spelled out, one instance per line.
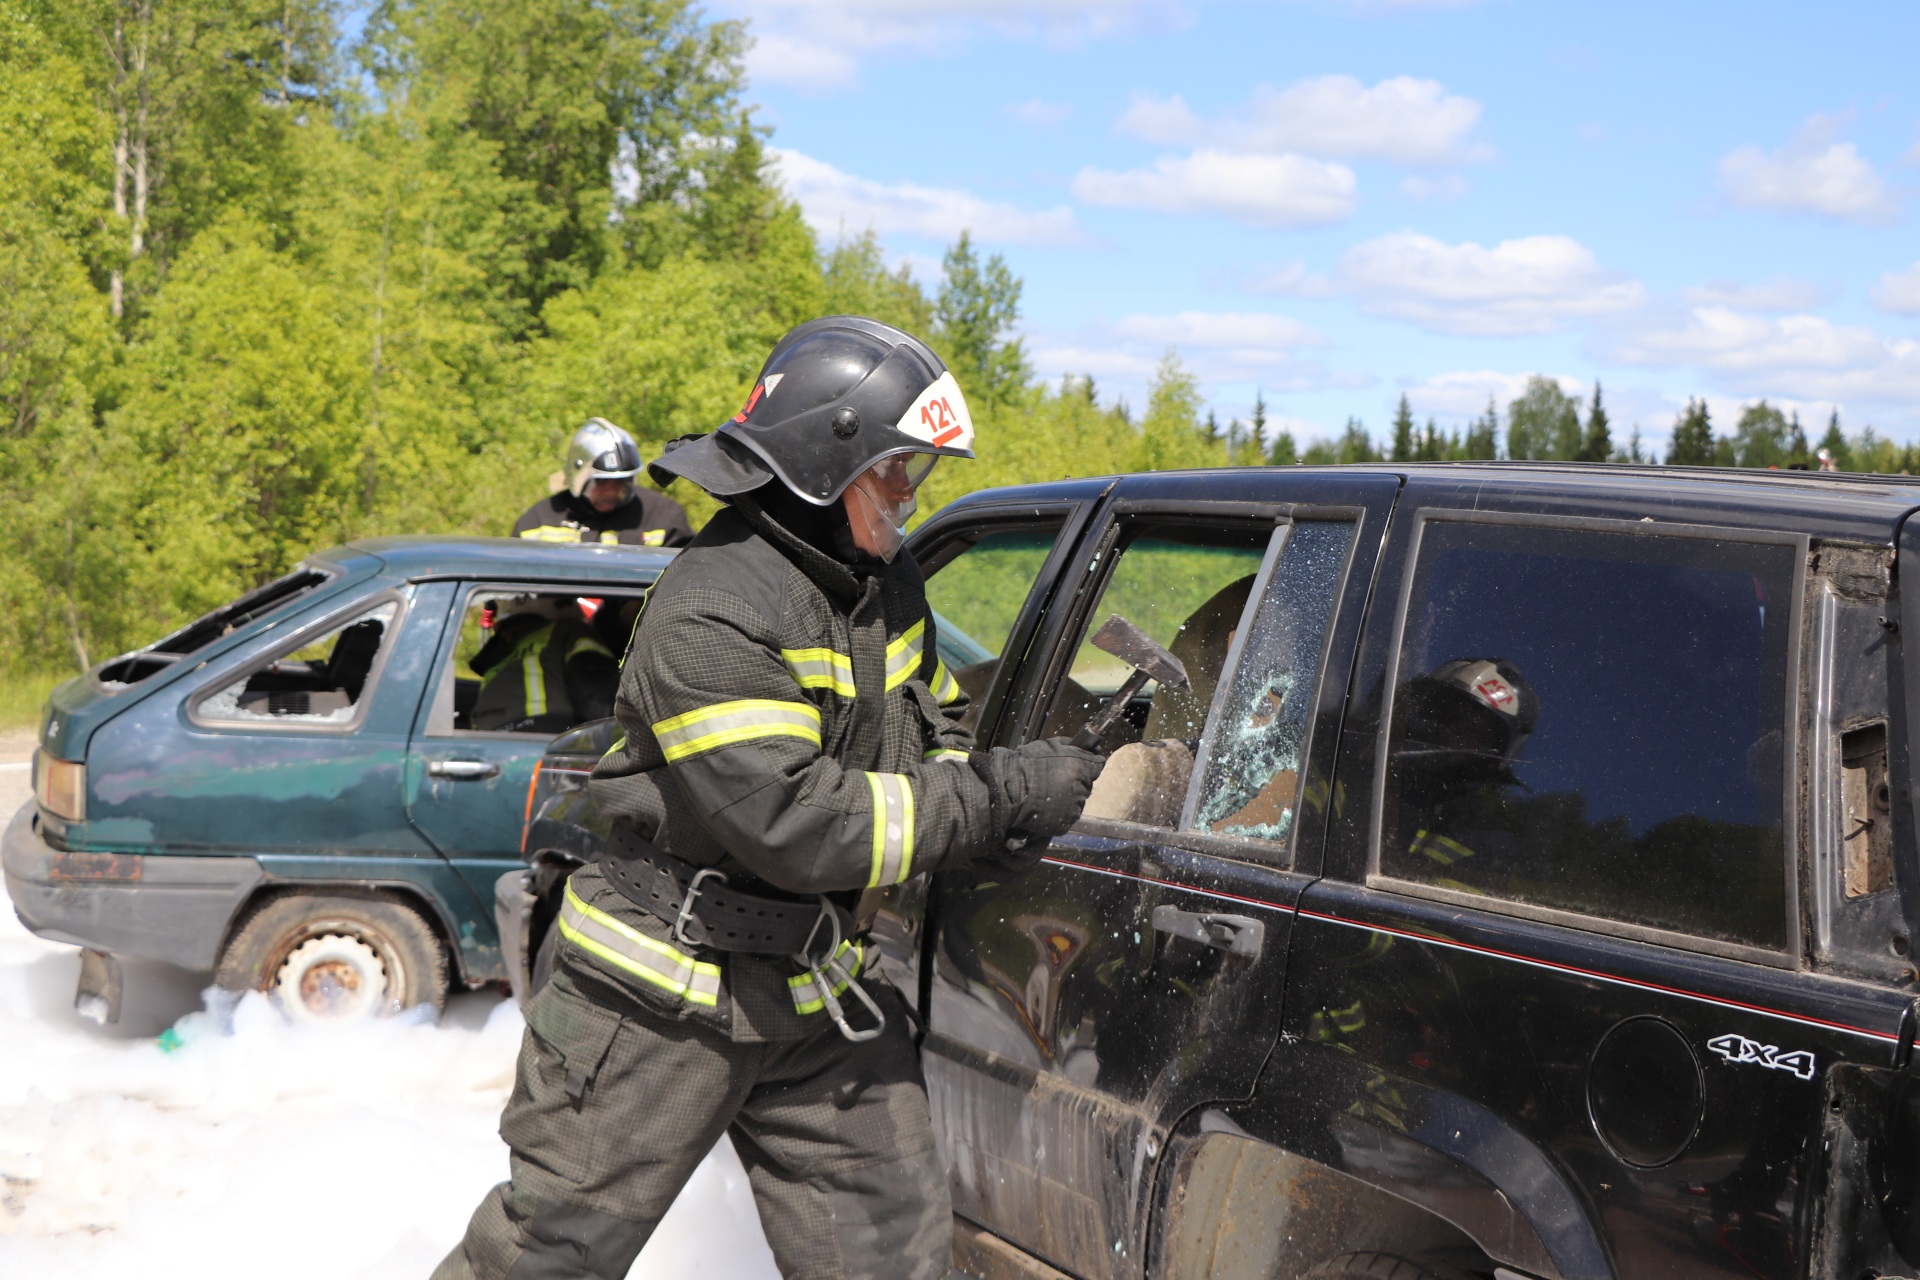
column 1135, row 647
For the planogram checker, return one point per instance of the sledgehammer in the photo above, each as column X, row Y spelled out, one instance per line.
column 1149, row 661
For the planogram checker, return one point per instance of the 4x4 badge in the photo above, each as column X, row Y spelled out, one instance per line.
column 1738, row 1050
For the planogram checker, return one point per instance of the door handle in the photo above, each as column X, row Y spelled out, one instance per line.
column 1236, row 935
column 462, row 769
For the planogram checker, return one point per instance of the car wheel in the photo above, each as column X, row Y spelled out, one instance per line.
column 327, row 958
column 1383, row 1266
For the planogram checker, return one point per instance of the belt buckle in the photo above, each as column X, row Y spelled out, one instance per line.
column 686, row 915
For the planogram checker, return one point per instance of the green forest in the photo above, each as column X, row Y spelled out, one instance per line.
column 268, row 283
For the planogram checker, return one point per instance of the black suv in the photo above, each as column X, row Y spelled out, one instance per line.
column 1525, row 886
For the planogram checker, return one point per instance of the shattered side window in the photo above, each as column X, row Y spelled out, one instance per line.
column 1250, row 780
column 320, row 683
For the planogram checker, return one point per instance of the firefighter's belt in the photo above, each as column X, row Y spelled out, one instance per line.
column 704, row 912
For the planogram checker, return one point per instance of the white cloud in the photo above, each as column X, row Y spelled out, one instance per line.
column 834, row 201
column 1463, row 395
column 1899, row 291
column 1401, row 120
column 1240, row 331
column 1783, row 293
column 1252, row 348
column 1258, row 190
column 1536, row 284
column 1422, row 187
column 1038, row 113
column 819, row 44
column 1812, row 173
column 1290, row 279
column 1802, row 357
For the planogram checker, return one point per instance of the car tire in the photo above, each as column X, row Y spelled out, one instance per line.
column 333, row 958
column 1383, row 1266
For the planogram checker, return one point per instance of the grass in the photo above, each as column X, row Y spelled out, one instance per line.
column 22, row 694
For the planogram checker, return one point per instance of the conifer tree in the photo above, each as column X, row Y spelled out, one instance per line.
column 1693, row 443
column 1597, row 445
column 1834, row 442
column 1404, row 447
column 1483, row 435
column 1355, row 445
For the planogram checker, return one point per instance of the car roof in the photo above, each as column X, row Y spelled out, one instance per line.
column 462, row 556
column 1856, row 503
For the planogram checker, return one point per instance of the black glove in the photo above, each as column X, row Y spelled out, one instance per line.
column 1036, row 791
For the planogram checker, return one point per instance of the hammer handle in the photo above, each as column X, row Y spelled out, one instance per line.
column 1089, row 737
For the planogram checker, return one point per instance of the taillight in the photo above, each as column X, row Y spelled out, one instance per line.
column 526, row 822
column 60, row 786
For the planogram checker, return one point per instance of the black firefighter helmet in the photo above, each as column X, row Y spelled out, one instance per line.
column 1470, row 716
column 835, row 397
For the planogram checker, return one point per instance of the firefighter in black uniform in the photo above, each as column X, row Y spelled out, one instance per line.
column 791, row 741
column 542, row 671
column 600, row 502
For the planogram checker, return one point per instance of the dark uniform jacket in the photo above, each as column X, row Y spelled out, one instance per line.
column 649, row 520
column 542, row 675
column 787, row 721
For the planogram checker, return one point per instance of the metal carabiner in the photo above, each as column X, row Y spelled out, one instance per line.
column 831, row 960
column 686, row 915
column 838, row 1014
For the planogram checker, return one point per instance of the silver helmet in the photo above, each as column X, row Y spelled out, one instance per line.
column 600, row 451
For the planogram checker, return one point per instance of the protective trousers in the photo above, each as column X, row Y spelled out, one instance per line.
column 615, row 1105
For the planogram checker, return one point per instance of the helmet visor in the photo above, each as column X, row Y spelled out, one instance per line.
column 904, row 471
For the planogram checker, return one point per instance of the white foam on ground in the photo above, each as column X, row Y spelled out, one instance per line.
column 259, row 1148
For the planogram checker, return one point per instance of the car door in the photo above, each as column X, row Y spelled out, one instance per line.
column 468, row 788
column 1078, row 1012
column 292, row 750
column 1551, row 986
column 988, row 567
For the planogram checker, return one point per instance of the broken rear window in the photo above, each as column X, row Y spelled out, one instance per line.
column 130, row 668
column 322, row 682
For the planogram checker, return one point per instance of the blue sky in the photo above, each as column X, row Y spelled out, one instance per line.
column 1335, row 203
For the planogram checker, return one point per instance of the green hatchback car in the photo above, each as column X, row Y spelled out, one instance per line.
column 313, row 790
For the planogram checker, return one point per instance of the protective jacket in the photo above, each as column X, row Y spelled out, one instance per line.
column 647, row 519
column 787, row 721
column 542, row 675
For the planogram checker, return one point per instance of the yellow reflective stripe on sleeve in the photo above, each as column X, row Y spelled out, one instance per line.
column 820, row 669
column 727, row 723
column 892, row 828
column 587, row 644
column 806, row 992
column 619, row 745
column 531, row 673
column 654, row 538
column 903, row 655
column 551, row 533
column 945, row 755
column 945, row 687
column 627, row 949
